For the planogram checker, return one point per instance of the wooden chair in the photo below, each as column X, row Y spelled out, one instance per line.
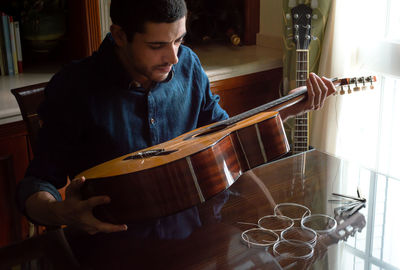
column 29, row 99
column 51, row 244
column 46, row 251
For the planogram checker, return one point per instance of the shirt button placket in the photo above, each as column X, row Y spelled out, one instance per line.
column 153, row 132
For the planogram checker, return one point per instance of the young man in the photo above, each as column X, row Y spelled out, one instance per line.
column 142, row 87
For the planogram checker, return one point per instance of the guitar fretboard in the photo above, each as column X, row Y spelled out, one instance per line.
column 301, row 130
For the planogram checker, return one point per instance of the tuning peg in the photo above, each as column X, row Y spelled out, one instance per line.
column 356, row 87
column 342, row 92
column 288, row 16
column 363, row 87
column 348, row 89
column 370, row 80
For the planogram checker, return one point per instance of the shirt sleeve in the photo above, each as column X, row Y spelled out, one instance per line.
column 211, row 111
column 30, row 185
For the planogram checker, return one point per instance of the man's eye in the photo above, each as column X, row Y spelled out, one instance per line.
column 179, row 41
column 155, row 46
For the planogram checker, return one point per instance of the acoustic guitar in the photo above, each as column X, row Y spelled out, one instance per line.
column 188, row 170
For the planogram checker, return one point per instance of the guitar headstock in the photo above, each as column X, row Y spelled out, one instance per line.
column 301, row 18
column 358, row 83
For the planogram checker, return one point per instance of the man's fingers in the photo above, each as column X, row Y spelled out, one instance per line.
column 330, row 85
column 109, row 228
column 317, row 91
column 77, row 183
column 311, row 95
column 73, row 189
column 97, row 200
column 324, row 91
column 98, row 226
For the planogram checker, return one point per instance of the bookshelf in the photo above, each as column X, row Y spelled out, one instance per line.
column 88, row 21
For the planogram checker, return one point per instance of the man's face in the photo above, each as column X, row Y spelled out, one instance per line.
column 151, row 54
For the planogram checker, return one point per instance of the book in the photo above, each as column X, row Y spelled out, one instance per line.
column 13, row 46
column 3, row 69
column 7, row 43
column 18, row 44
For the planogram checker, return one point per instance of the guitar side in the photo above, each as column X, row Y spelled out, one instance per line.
column 196, row 167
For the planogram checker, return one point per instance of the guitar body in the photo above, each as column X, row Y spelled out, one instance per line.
column 183, row 172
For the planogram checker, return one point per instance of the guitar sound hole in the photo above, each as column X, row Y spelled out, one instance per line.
column 151, row 153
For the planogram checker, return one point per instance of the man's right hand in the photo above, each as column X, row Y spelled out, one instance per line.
column 73, row 211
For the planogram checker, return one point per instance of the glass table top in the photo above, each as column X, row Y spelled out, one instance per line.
column 210, row 235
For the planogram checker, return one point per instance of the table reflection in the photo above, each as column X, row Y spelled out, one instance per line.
column 378, row 246
column 208, row 236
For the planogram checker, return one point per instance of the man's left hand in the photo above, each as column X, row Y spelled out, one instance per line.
column 318, row 89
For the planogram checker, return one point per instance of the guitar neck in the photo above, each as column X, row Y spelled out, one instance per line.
column 301, row 139
column 287, row 101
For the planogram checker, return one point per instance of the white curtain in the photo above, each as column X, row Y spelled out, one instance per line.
column 362, row 38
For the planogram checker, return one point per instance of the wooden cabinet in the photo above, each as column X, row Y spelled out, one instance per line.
column 14, row 160
column 242, row 93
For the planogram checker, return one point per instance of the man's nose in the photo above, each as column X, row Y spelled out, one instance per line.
column 171, row 56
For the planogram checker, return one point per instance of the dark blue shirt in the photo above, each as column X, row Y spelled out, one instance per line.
column 92, row 114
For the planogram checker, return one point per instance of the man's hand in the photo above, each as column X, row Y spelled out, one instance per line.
column 318, row 89
column 79, row 213
column 73, row 211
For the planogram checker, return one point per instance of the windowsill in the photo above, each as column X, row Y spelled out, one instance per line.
column 219, row 62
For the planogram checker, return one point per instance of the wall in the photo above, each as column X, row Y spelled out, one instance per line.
column 270, row 24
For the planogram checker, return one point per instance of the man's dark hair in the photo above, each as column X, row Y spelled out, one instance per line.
column 132, row 15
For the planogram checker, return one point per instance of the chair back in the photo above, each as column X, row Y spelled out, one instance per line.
column 50, row 250
column 29, row 98
column 10, row 221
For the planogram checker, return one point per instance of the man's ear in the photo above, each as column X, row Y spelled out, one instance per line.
column 118, row 35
